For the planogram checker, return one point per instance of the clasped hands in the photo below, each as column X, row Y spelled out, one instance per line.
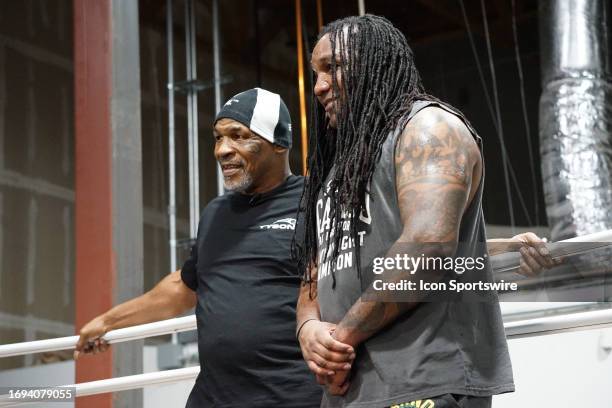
column 329, row 359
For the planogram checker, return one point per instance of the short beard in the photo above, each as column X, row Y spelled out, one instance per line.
column 241, row 185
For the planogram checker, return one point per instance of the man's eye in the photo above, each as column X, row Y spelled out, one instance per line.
column 240, row 136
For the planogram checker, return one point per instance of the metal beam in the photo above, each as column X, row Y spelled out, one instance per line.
column 108, row 185
column 217, row 79
column 94, row 257
column 361, row 7
column 171, row 137
column 192, row 117
column 126, row 179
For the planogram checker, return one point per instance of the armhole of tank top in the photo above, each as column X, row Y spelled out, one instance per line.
column 398, row 135
column 477, row 139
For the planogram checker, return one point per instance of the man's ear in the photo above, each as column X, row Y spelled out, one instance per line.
column 279, row 149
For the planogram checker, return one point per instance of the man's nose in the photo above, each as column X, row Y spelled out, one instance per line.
column 223, row 149
column 322, row 85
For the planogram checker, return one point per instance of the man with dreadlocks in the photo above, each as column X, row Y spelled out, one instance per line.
column 391, row 168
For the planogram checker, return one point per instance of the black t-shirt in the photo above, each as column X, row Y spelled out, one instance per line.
column 247, row 289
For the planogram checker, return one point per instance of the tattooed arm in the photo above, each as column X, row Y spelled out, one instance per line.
column 438, row 169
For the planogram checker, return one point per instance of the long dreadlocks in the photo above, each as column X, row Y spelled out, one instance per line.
column 380, row 84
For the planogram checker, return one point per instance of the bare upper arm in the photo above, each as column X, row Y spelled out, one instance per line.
column 438, row 168
column 173, row 286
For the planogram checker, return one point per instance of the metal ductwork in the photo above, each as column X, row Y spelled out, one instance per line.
column 576, row 116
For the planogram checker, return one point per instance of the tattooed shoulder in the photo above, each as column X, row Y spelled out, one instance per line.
column 436, row 141
column 437, row 161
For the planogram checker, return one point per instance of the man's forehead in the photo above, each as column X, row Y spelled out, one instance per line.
column 323, row 48
column 229, row 125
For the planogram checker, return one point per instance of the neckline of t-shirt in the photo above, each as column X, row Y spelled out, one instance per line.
column 290, row 180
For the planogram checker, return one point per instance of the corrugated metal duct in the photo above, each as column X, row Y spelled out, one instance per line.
column 576, row 116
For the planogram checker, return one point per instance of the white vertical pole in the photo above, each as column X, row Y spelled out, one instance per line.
column 217, row 79
column 194, row 119
column 171, row 149
column 361, row 6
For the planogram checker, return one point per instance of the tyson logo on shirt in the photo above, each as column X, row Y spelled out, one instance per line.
column 284, row 224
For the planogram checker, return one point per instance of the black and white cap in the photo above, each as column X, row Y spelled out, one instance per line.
column 263, row 112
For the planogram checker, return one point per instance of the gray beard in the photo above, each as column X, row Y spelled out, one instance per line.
column 241, row 185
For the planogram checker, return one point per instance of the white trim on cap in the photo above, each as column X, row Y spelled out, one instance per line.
column 265, row 114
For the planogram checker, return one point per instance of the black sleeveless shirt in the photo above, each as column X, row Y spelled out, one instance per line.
column 437, row 347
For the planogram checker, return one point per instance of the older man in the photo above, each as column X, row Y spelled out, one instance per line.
column 240, row 276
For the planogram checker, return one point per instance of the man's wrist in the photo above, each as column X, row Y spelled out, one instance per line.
column 344, row 335
column 301, row 326
column 108, row 321
column 498, row 246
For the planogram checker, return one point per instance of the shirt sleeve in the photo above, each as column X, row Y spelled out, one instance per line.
column 189, row 271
